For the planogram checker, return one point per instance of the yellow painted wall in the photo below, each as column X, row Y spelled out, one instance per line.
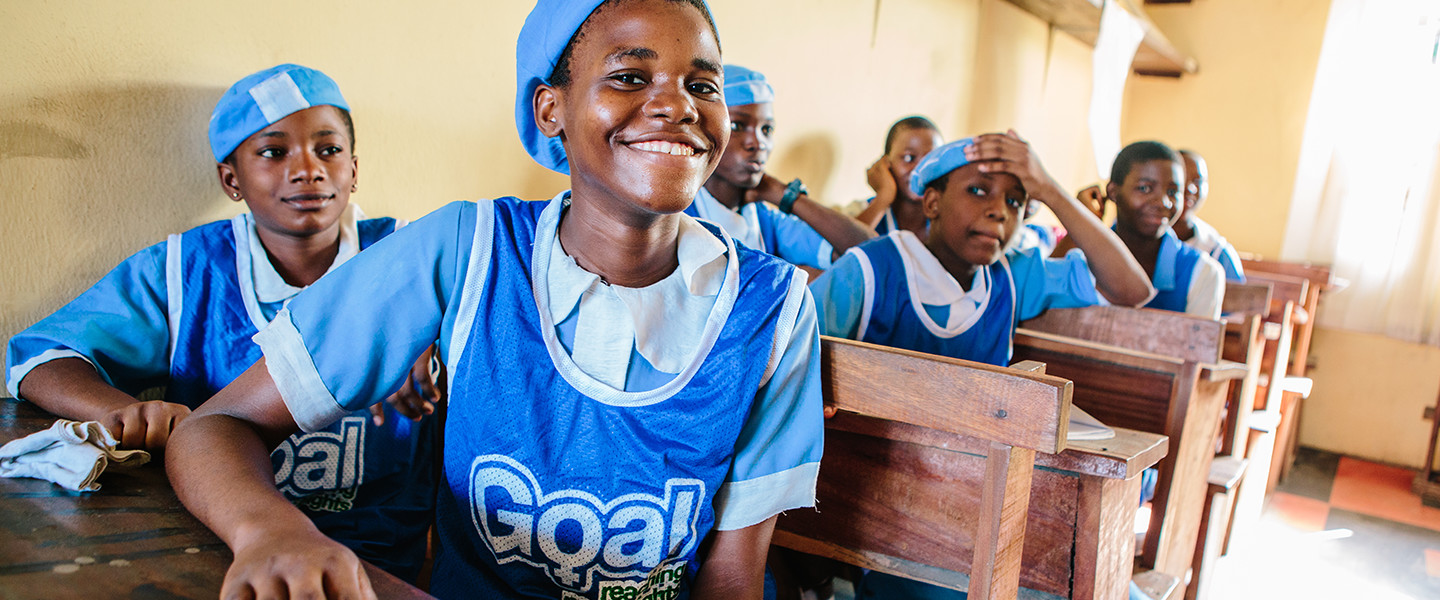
column 104, row 105
column 1244, row 111
column 1370, row 392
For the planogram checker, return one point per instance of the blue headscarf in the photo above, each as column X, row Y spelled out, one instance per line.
column 743, row 86
column 543, row 38
column 938, row 163
column 261, row 99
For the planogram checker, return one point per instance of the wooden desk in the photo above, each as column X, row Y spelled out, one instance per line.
column 1153, row 371
column 131, row 539
column 901, row 497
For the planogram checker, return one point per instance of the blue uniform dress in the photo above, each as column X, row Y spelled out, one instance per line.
column 892, row 291
column 1186, row 280
column 1207, row 239
column 763, row 227
column 181, row 314
column 558, row 484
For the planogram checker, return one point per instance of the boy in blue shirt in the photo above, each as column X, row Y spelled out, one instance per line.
column 181, row 313
column 1197, row 233
column 633, row 395
column 1145, row 185
column 756, row 208
column 959, row 293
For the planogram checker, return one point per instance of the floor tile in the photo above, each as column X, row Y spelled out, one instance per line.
column 1382, row 491
column 1385, row 551
column 1299, row 512
column 1312, row 474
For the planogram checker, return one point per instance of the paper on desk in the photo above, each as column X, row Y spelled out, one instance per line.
column 1084, row 427
column 70, row 454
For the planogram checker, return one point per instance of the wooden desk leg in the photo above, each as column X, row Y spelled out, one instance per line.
column 1105, row 537
column 1004, row 505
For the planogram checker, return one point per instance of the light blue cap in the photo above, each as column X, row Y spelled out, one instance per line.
column 546, row 32
column 743, row 86
column 938, row 163
column 261, row 99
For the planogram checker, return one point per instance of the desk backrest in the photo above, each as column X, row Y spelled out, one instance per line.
column 1284, row 290
column 1246, row 299
column 1016, row 407
column 1162, row 332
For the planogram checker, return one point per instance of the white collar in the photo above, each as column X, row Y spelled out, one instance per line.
column 628, row 315
column 269, row 286
column 930, row 284
column 743, row 224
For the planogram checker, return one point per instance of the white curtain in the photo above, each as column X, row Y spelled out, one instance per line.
column 1367, row 189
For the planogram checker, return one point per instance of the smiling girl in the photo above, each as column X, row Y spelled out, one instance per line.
column 633, row 397
column 180, row 314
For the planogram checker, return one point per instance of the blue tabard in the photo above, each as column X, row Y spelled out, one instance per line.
column 379, row 507
column 550, row 493
column 894, row 322
column 1182, row 269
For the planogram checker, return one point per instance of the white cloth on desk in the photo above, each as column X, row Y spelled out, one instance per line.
column 70, row 454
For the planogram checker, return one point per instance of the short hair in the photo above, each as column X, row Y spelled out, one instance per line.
column 911, row 122
column 1139, row 152
column 344, row 118
column 560, row 75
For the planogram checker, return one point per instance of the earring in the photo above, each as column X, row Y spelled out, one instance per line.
column 235, row 195
column 354, row 188
column 552, row 119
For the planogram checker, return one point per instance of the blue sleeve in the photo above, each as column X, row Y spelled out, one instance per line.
column 1043, row 283
column 349, row 339
column 120, row 325
column 840, row 297
column 777, row 457
column 1230, row 261
column 795, row 240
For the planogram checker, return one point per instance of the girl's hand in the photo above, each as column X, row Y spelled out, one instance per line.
column 417, row 396
column 1094, row 199
column 881, row 180
column 770, row 190
column 1009, row 153
column 145, row 425
column 290, row 564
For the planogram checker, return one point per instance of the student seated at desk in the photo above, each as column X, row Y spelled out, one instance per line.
column 959, row 293
column 1145, row 184
column 1197, row 233
column 753, row 206
column 181, row 313
column 894, row 205
column 634, row 396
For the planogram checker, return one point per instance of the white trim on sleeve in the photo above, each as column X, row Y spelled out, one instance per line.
column 740, row 504
column 293, row 370
column 785, row 329
column 867, row 273
column 472, row 288
column 174, row 290
column 18, row 372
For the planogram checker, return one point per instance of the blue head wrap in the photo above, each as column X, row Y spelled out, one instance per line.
column 743, row 86
column 938, row 163
column 546, row 33
column 261, row 99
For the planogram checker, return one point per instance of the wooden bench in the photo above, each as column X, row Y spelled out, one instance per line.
column 927, row 475
column 1154, row 371
column 131, row 539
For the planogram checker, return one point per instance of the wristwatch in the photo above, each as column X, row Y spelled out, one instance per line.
column 792, row 191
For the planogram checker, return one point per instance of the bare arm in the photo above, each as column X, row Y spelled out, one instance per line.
column 219, row 463
column 841, row 230
column 886, row 190
column 734, row 567
column 71, row 388
column 1117, row 274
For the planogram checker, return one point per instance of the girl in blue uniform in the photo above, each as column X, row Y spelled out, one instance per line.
column 180, row 314
column 1145, row 184
column 1196, row 232
column 958, row 293
column 895, row 206
column 633, row 395
column 753, row 206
